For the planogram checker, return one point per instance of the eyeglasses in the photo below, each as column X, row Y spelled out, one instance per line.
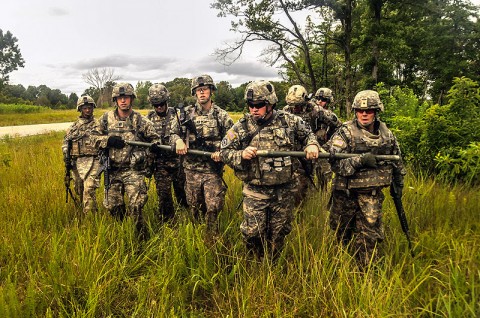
column 323, row 99
column 367, row 111
column 160, row 104
column 202, row 89
column 257, row 105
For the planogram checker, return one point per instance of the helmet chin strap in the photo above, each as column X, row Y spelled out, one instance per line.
column 262, row 119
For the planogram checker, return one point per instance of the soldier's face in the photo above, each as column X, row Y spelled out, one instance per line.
column 203, row 94
column 365, row 116
column 124, row 102
column 257, row 109
column 322, row 102
column 87, row 110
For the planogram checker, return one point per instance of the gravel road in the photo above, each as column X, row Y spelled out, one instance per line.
column 27, row 130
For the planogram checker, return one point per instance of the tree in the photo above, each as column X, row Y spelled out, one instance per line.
column 260, row 21
column 141, row 90
column 99, row 78
column 72, row 101
column 10, row 57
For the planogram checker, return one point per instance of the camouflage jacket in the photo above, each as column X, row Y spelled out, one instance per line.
column 282, row 133
column 163, row 126
column 352, row 138
column 323, row 122
column 79, row 135
column 211, row 127
column 135, row 127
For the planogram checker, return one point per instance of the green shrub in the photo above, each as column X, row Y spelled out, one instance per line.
column 20, row 109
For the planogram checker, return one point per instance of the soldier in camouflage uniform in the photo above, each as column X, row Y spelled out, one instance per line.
column 324, row 127
column 356, row 206
column 167, row 168
column 298, row 103
column 83, row 154
column 322, row 121
column 128, row 164
column 203, row 127
column 269, row 183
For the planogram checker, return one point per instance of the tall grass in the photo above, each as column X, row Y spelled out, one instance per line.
column 54, row 262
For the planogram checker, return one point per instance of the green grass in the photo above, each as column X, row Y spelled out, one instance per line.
column 56, row 263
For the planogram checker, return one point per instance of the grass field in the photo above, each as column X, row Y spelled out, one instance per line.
column 56, row 263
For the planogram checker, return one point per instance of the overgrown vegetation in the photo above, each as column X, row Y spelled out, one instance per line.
column 57, row 263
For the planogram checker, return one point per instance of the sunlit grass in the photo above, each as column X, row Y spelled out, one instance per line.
column 55, row 262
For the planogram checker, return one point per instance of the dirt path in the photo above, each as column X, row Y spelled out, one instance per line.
column 27, row 130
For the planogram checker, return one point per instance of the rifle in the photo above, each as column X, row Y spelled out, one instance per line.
column 68, row 177
column 397, row 200
column 105, row 167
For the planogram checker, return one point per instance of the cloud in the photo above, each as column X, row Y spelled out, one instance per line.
column 57, row 12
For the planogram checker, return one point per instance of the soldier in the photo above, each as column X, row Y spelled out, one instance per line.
column 325, row 125
column 356, row 206
column 269, row 183
column 203, row 126
column 167, row 168
column 127, row 164
column 81, row 155
column 298, row 103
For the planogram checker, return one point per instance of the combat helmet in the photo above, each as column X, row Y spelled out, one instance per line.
column 260, row 90
column 158, row 94
column 123, row 89
column 85, row 100
column 324, row 93
column 367, row 99
column 297, row 95
column 202, row 80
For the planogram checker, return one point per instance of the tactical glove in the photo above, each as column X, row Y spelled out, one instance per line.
column 115, row 142
column 155, row 148
column 368, row 160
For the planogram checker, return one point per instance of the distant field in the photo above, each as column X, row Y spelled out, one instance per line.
column 15, row 115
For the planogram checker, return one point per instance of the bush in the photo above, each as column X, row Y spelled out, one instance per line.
column 20, row 109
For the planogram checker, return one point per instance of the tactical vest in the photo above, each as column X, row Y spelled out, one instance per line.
column 162, row 124
column 82, row 145
column 128, row 129
column 361, row 142
column 276, row 136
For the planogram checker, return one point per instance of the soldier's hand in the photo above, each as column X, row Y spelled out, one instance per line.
column 180, row 147
column 368, row 160
column 216, row 156
column 155, row 148
column 312, row 152
column 249, row 153
column 115, row 142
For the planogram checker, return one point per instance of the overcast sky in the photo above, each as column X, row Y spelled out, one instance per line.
column 142, row 39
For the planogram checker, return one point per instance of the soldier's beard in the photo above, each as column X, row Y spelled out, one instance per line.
column 162, row 114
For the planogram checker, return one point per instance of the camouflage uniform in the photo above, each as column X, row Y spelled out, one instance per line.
column 356, row 206
column 129, row 164
column 323, row 123
column 84, row 158
column 324, row 126
column 167, row 166
column 204, row 185
column 269, row 183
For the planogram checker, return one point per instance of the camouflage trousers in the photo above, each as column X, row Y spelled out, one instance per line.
column 205, row 196
column 267, row 217
column 357, row 219
column 165, row 177
column 324, row 173
column 129, row 182
column 87, row 182
column 303, row 187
